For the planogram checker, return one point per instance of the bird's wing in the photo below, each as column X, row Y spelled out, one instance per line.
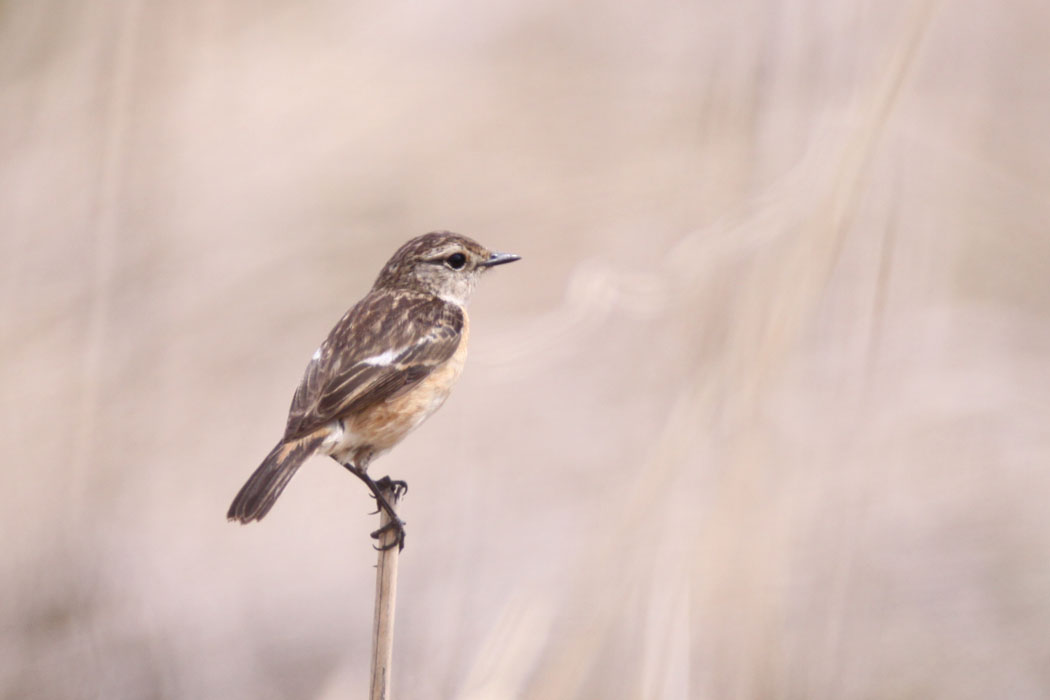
column 382, row 347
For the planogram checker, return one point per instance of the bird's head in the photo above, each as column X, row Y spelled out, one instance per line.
column 442, row 263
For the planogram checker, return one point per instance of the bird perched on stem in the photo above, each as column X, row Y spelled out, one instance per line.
column 387, row 365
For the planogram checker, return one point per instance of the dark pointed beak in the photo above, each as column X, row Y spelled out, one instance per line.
column 499, row 259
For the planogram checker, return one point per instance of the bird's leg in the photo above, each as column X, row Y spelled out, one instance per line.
column 399, row 488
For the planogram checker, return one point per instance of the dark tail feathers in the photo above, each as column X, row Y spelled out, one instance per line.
column 257, row 496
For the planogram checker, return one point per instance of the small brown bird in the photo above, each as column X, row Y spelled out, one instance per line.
column 387, row 365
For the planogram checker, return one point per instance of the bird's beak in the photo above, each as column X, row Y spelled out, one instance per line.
column 499, row 259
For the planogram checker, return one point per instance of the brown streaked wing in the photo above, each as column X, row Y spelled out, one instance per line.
column 422, row 332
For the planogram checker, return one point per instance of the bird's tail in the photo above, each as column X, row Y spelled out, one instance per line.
column 257, row 496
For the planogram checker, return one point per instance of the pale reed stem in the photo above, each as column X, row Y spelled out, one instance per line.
column 386, row 599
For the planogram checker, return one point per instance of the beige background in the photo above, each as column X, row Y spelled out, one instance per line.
column 763, row 413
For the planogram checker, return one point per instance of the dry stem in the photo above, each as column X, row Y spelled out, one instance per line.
column 386, row 599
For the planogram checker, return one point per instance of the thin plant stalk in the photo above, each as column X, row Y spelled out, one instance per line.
column 386, row 599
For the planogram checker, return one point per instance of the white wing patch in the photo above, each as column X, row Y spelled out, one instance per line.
column 388, row 356
column 382, row 359
column 317, row 355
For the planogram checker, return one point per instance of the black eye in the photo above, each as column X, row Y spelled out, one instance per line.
column 456, row 261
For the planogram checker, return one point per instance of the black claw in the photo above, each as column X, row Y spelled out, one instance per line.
column 395, row 524
column 399, row 487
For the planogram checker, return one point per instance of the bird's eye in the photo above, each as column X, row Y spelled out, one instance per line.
column 456, row 261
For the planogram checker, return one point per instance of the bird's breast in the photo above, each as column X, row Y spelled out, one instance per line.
column 384, row 425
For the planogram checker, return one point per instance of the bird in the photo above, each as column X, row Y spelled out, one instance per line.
column 386, row 366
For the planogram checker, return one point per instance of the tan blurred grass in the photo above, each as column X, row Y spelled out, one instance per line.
column 762, row 414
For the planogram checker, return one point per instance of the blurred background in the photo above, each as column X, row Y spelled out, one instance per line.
column 763, row 412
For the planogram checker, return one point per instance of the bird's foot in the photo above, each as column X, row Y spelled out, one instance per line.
column 395, row 523
column 394, row 487
column 397, row 486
